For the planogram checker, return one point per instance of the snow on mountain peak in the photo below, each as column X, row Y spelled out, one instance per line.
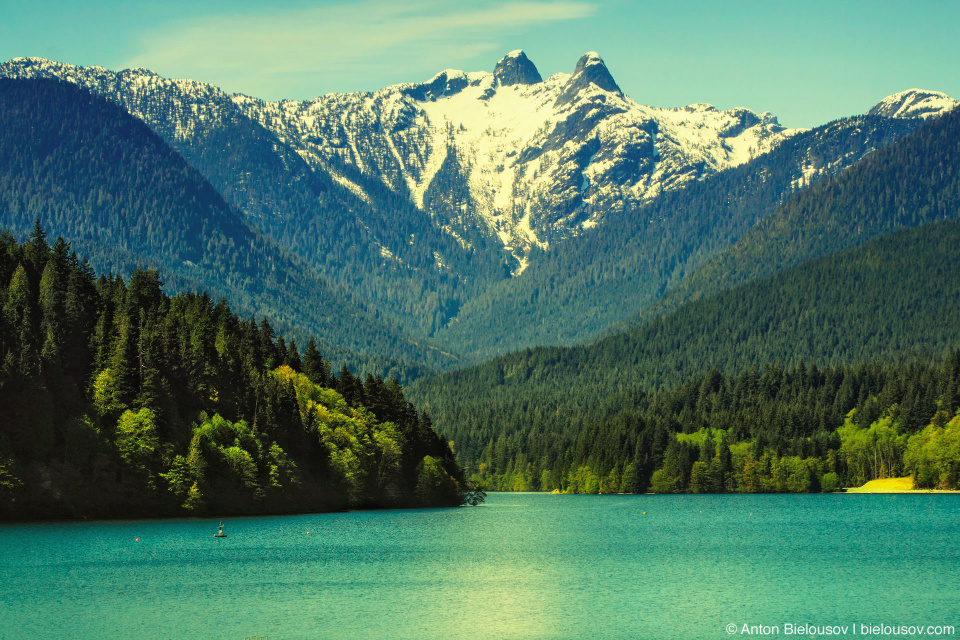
column 914, row 103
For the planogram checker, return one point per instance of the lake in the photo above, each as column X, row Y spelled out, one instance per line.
column 520, row 566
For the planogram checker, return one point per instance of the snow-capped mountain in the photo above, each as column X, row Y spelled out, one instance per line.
column 507, row 155
column 523, row 159
column 176, row 109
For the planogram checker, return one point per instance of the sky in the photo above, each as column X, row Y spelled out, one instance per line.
column 807, row 61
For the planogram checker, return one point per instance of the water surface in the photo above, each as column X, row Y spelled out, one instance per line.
column 520, row 566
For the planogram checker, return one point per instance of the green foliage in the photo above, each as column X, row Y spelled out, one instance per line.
column 106, row 395
column 933, row 456
column 872, row 452
column 435, row 485
column 830, row 482
column 803, row 429
column 137, row 441
column 151, row 405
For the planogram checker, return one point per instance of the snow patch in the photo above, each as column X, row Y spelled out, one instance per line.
column 914, row 103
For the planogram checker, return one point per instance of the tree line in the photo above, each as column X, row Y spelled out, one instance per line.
column 801, row 429
column 121, row 400
column 883, row 301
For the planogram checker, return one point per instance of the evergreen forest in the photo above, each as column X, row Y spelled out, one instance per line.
column 119, row 400
column 857, row 270
column 798, row 430
column 884, row 305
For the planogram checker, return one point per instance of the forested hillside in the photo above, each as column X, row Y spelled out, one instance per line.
column 120, row 400
column 884, row 300
column 99, row 177
column 908, row 184
column 887, row 300
column 339, row 234
column 802, row 429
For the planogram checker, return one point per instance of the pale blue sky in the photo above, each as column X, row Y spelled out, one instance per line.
column 807, row 62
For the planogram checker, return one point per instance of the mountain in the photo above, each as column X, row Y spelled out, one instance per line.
column 904, row 185
column 885, row 299
column 882, row 301
column 418, row 197
column 914, row 103
column 340, row 235
column 548, row 209
column 586, row 285
column 510, row 159
column 104, row 181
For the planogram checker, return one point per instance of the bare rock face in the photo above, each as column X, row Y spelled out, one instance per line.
column 516, row 68
column 590, row 70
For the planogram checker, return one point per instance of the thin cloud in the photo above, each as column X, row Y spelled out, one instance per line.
column 273, row 53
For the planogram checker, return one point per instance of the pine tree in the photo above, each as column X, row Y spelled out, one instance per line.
column 19, row 313
column 314, row 366
column 292, row 359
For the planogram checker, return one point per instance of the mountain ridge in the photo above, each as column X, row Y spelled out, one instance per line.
column 95, row 175
column 415, row 206
column 573, row 140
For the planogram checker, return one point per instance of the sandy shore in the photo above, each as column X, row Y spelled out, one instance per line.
column 894, row 485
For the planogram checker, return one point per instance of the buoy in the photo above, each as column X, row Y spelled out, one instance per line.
column 138, row 539
column 308, row 533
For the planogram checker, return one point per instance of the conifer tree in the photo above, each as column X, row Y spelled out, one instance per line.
column 314, row 366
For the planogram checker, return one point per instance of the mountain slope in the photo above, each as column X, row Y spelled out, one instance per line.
column 418, row 197
column 97, row 176
column 914, row 103
column 885, row 299
column 537, row 159
column 587, row 284
column 343, row 236
column 119, row 400
column 905, row 185
column 422, row 200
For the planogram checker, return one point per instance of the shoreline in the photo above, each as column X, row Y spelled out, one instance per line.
column 855, row 490
column 894, row 485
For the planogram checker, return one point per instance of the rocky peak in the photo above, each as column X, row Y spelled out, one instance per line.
column 590, row 70
column 516, row 68
column 446, row 83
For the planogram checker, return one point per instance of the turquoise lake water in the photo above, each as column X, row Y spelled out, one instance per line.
column 520, row 566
